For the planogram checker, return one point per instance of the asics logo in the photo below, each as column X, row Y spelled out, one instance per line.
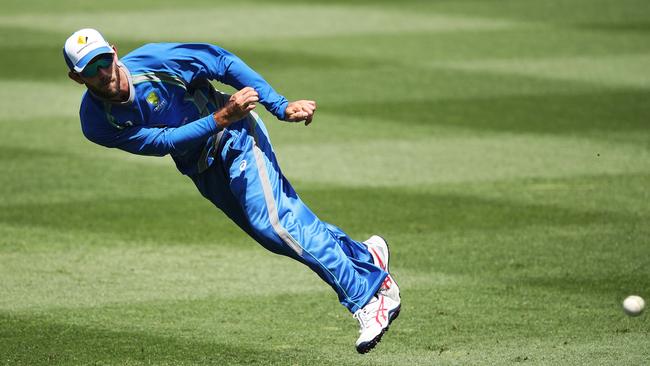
column 387, row 283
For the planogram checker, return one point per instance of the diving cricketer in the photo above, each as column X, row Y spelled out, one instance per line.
column 158, row 100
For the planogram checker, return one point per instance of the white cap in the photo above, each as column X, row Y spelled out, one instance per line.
column 82, row 46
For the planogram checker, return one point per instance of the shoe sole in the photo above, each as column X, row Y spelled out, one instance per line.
column 368, row 346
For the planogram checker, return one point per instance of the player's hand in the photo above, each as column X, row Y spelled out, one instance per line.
column 300, row 110
column 237, row 107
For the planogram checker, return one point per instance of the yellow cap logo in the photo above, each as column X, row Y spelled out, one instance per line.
column 82, row 40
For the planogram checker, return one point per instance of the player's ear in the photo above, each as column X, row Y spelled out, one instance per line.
column 76, row 77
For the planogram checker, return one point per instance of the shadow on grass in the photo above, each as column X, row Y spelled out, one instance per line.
column 626, row 27
column 397, row 210
column 615, row 111
column 177, row 219
column 35, row 341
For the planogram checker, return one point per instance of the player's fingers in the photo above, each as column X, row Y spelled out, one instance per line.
column 238, row 94
column 302, row 106
column 309, row 104
column 252, row 92
column 245, row 93
column 251, row 99
column 243, row 101
column 307, row 108
column 297, row 116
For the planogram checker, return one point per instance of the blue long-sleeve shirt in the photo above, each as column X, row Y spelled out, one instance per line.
column 160, row 116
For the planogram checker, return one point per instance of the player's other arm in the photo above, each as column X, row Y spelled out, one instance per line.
column 159, row 141
column 155, row 141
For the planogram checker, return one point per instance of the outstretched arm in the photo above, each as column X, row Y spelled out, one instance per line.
column 212, row 62
column 244, row 101
column 193, row 61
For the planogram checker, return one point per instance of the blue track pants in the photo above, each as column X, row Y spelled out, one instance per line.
column 246, row 183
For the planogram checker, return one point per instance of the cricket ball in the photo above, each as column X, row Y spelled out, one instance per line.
column 633, row 305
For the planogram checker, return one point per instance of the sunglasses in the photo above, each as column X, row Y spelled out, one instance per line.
column 93, row 67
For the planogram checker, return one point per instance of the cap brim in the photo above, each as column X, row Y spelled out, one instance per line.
column 86, row 59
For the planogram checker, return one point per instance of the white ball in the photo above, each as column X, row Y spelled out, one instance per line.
column 633, row 305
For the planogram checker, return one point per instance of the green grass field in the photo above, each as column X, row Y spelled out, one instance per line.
column 503, row 148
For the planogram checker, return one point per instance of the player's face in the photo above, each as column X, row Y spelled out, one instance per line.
column 102, row 76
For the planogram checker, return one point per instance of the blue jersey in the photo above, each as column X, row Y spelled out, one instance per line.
column 162, row 115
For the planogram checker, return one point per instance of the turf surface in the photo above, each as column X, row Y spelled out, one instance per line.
column 503, row 147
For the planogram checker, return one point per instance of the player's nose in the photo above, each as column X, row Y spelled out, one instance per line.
column 104, row 72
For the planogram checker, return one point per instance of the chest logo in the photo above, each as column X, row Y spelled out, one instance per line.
column 154, row 100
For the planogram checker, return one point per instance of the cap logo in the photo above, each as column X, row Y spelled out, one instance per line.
column 82, row 40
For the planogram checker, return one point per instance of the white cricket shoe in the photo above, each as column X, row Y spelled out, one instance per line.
column 378, row 248
column 374, row 319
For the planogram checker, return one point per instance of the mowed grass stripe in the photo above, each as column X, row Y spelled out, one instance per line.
column 569, row 201
column 413, row 162
column 555, row 113
column 308, row 20
column 87, row 274
column 24, row 100
column 619, row 70
column 333, row 52
column 188, row 220
column 555, row 12
column 36, row 175
column 211, row 334
column 40, row 175
column 418, row 48
column 395, row 163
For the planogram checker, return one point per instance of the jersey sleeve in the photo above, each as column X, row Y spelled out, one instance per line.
column 156, row 141
column 206, row 61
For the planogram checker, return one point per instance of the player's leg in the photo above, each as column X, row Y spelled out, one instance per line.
column 282, row 223
column 214, row 184
column 263, row 203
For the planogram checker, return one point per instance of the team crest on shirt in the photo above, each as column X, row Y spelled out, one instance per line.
column 155, row 101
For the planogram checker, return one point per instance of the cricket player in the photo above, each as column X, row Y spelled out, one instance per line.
column 158, row 100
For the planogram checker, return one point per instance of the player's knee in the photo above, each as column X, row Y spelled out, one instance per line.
column 265, row 232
